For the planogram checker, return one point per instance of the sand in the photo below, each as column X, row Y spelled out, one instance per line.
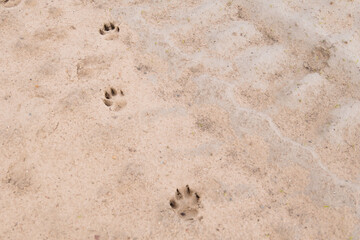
column 180, row 119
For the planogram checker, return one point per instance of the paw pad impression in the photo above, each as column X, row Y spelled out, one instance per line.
column 108, row 28
column 114, row 99
column 186, row 203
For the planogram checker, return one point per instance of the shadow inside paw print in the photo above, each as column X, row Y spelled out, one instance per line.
column 186, row 203
column 109, row 28
column 114, row 99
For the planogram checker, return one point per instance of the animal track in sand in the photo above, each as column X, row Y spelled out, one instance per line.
column 114, row 99
column 9, row 3
column 318, row 59
column 109, row 28
column 186, row 203
column 19, row 177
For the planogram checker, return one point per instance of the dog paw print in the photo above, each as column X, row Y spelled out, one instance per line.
column 114, row 99
column 9, row 3
column 109, row 28
column 186, row 203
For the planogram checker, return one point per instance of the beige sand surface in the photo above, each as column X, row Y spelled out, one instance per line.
column 109, row 106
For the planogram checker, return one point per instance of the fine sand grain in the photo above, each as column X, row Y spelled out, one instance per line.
column 180, row 119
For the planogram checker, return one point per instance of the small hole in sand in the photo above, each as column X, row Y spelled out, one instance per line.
column 112, row 26
column 188, row 191
column 178, row 194
column 113, row 91
column 197, row 196
column 107, row 102
column 173, row 204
